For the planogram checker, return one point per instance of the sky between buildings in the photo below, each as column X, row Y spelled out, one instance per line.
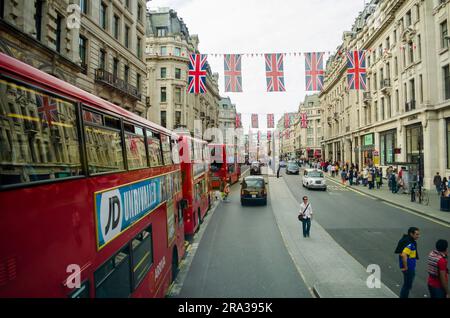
column 265, row 26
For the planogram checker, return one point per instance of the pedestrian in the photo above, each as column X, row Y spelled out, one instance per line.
column 226, row 191
column 444, row 185
column 393, row 181
column 438, row 271
column 407, row 248
column 350, row 176
column 365, row 176
column 306, row 212
column 378, row 178
column 278, row 170
column 343, row 176
column 437, row 181
column 370, row 179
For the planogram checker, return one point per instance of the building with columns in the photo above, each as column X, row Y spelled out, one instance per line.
column 167, row 48
column 402, row 118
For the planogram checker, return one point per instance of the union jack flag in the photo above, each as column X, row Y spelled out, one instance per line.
column 254, row 120
column 197, row 74
column 274, row 73
column 47, row 108
column 314, row 71
column 270, row 121
column 238, row 120
column 356, row 70
column 287, row 120
column 233, row 75
column 304, row 120
column 92, row 117
column 269, row 135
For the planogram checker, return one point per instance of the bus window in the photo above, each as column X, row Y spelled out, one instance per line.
column 142, row 246
column 104, row 146
column 38, row 136
column 175, row 152
column 167, row 153
column 215, row 166
column 112, row 279
column 154, row 149
column 135, row 143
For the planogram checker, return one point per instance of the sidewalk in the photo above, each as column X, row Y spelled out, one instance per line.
column 328, row 269
column 401, row 200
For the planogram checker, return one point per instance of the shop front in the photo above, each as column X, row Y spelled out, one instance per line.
column 367, row 149
column 388, row 142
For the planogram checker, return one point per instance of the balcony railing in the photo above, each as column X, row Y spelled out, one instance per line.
column 385, row 85
column 109, row 79
column 411, row 105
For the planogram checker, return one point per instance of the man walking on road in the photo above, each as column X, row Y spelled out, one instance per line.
column 407, row 248
column 306, row 211
column 437, row 181
column 438, row 271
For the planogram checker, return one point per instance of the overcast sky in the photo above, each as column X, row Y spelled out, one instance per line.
column 265, row 26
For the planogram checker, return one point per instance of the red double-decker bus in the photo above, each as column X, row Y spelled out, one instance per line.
column 89, row 193
column 194, row 172
column 224, row 165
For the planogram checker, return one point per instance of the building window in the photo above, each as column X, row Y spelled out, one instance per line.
column 138, row 82
column 389, row 107
column 444, row 34
column 83, row 51
column 126, row 74
column 161, row 32
column 412, row 86
column 163, row 118
column 382, row 109
column 376, row 111
column 115, row 68
column 103, row 14
column 446, row 70
column 448, row 143
column 388, row 43
column 421, row 88
column 127, row 4
column 138, row 47
column 116, row 27
column 419, row 47
column 139, row 12
column 102, row 59
column 177, row 118
column 163, row 50
column 397, row 102
column 177, row 51
column 178, row 73
column 395, row 36
column 38, row 18
column 59, row 25
column 408, row 18
column 178, row 95
column 163, row 72
column 411, row 52
column 413, row 139
column 84, row 6
column 163, row 94
column 388, row 141
column 127, row 36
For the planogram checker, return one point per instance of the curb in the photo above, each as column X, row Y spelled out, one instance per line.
column 390, row 202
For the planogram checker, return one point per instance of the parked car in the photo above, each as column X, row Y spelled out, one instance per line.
column 292, row 168
column 253, row 189
column 314, row 179
column 255, row 168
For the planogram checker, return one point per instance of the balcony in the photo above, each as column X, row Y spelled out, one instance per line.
column 411, row 105
column 385, row 86
column 112, row 81
column 367, row 97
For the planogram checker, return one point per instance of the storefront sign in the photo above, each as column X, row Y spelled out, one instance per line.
column 368, row 139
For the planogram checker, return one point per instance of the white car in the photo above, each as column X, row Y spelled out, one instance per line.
column 314, row 179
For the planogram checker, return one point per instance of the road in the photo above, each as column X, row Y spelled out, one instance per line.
column 369, row 230
column 242, row 254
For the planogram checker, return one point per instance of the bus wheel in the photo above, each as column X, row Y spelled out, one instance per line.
column 200, row 221
column 174, row 263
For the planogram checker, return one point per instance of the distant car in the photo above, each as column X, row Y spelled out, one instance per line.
column 253, row 189
column 292, row 168
column 255, row 168
column 282, row 164
column 314, row 179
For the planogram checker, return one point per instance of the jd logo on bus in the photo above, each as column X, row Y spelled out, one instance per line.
column 114, row 214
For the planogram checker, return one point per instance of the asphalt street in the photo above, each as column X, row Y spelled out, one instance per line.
column 369, row 230
column 242, row 254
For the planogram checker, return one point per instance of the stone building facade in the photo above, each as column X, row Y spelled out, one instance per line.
column 227, row 117
column 168, row 45
column 308, row 139
column 403, row 117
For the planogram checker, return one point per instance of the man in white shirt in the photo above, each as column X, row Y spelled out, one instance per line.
column 306, row 212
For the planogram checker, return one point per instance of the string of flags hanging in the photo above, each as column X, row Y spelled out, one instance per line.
column 289, row 120
column 274, row 67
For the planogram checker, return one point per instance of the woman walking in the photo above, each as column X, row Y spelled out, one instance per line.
column 306, row 213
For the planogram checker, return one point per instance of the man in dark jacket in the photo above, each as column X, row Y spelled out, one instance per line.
column 437, row 181
column 407, row 248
